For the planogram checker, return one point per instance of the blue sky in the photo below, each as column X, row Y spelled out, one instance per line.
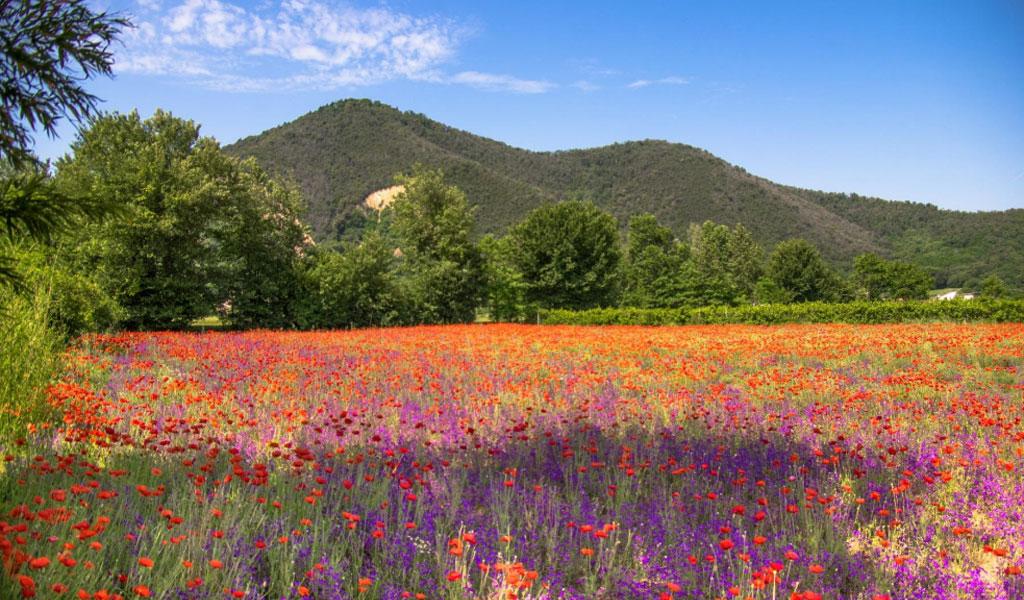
column 919, row 101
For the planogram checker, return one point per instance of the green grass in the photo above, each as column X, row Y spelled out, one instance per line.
column 208, row 322
column 29, row 355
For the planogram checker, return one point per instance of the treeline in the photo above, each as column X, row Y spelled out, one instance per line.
column 198, row 233
column 567, row 257
column 190, row 232
column 958, row 248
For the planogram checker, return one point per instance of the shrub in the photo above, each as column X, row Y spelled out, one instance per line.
column 29, row 351
column 999, row 311
column 613, row 316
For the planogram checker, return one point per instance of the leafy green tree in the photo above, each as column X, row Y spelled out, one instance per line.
column 908, row 281
column 994, row 287
column 711, row 256
column 353, row 288
column 202, row 231
column 746, row 261
column 767, row 291
column 32, row 210
column 870, row 275
column 645, row 232
column 726, row 263
column 568, row 254
column 655, row 271
column 258, row 244
column 505, row 296
column 75, row 302
column 48, row 49
column 433, row 224
column 156, row 262
column 880, row 279
column 796, row 267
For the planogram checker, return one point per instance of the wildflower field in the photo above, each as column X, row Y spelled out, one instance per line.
column 515, row 461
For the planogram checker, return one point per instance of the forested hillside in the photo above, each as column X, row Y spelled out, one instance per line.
column 341, row 152
column 956, row 247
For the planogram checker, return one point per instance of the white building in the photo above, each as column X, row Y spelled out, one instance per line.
column 954, row 295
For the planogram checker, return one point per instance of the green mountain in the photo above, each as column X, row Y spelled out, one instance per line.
column 342, row 152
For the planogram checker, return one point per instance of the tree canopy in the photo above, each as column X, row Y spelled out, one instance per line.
column 994, row 287
column 47, row 50
column 433, row 225
column 356, row 287
column 656, row 272
column 203, row 231
column 796, row 268
column 568, row 254
column 880, row 279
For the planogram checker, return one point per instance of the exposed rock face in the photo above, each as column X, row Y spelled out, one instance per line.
column 382, row 199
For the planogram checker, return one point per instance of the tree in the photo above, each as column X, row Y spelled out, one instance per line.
column 203, row 231
column 505, row 295
column 880, row 279
column 767, row 291
column 746, row 261
column 726, row 263
column 908, row 281
column 646, row 232
column 74, row 301
column 870, row 275
column 353, row 288
column 711, row 255
column 259, row 243
column 157, row 261
column 49, row 48
column 568, row 254
column 655, row 272
column 31, row 209
column 796, row 267
column 994, row 287
column 433, row 224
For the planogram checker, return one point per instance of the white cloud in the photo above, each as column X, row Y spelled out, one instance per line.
column 490, row 81
column 591, row 68
column 163, row 65
column 585, row 86
column 286, row 45
column 298, row 44
column 672, row 80
column 308, row 52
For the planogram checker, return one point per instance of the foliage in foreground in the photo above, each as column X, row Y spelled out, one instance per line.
column 545, row 462
column 47, row 50
column 30, row 348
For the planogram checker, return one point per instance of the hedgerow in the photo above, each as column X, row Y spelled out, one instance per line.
column 995, row 311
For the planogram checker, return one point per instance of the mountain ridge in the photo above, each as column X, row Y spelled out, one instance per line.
column 343, row 151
